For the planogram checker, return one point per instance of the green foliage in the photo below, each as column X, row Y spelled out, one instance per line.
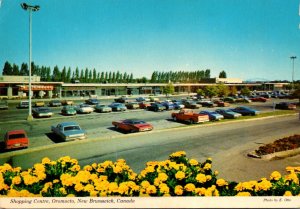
column 245, row 91
column 222, row 74
column 222, row 90
column 169, row 89
column 210, row 91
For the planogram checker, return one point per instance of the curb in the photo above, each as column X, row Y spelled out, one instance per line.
column 282, row 154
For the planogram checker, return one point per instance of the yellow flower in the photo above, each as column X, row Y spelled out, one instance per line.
column 113, row 187
column 275, row 176
column 162, row 176
column 180, row 175
column 78, row 187
column 46, row 160
column 150, row 169
column 87, row 168
column 207, row 166
column 221, row 182
column 63, row 190
column 193, row 162
column 55, row 181
column 16, row 180
column 163, row 188
column 200, row 191
column 288, row 193
column 178, row 154
column 190, row 187
column 263, row 185
column 178, row 190
column 88, row 188
column 123, row 188
column 151, row 189
column 145, row 184
column 70, row 195
column 93, row 193
column 66, row 179
column 208, row 177
column 156, row 181
column 243, row 194
column 216, row 173
column 292, row 177
column 201, row 178
column 117, row 169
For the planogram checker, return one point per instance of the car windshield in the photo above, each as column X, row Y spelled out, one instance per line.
column 69, row 128
column 138, row 122
column 43, row 110
column 16, row 136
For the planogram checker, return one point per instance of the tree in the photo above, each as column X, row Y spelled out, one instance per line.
column 64, row 75
column 210, row 91
column 200, row 92
column 77, row 74
column 15, row 70
column 68, row 79
column 56, row 75
column 81, row 78
column 223, row 90
column 169, row 89
column 207, row 73
column 86, row 75
column 245, row 91
column 233, row 91
column 94, row 75
column 7, row 69
column 222, row 74
column 24, row 69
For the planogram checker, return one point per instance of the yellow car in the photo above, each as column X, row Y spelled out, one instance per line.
column 39, row 104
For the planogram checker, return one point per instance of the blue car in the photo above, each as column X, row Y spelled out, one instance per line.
column 245, row 110
column 178, row 105
column 212, row 115
column 168, row 105
column 228, row 114
column 117, row 106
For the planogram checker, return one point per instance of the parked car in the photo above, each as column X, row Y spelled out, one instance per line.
column 69, row 131
column 39, row 104
column 84, row 108
column 67, row 102
column 206, row 103
column 132, row 125
column 144, row 105
column 15, row 139
column 178, row 105
column 168, row 105
column 3, row 105
column 258, row 99
column 41, row 112
column 132, row 105
column 102, row 108
column 243, row 100
column 92, row 101
column 142, row 99
column 220, row 103
column 189, row 116
column 115, row 106
column 228, row 114
column 212, row 115
column 55, row 103
column 123, row 100
column 68, row 110
column 191, row 104
column 23, row 104
column 153, row 99
column 156, row 107
column 229, row 99
column 285, row 106
column 245, row 110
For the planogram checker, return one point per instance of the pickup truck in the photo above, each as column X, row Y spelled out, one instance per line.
column 69, row 131
column 189, row 116
column 16, row 139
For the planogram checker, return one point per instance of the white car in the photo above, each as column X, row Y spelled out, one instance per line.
column 84, row 108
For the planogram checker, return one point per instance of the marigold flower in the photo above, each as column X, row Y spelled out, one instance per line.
column 117, row 169
column 78, row 187
column 46, row 160
column 208, row 177
column 207, row 166
column 88, row 188
column 145, row 184
column 178, row 190
column 87, row 168
column 123, row 188
column 200, row 191
column 264, row 185
column 63, row 190
column 292, row 177
column 221, row 182
column 178, row 154
column 190, row 187
column 201, row 178
column 151, row 189
column 16, row 180
column 216, row 173
column 243, row 194
column 163, row 188
column 193, row 162
column 163, row 176
column 288, row 193
column 113, row 187
column 70, row 195
column 275, row 176
column 180, row 175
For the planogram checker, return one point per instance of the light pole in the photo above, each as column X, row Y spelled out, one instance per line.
column 293, row 60
column 30, row 8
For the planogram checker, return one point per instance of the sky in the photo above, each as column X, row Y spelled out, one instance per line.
column 248, row 39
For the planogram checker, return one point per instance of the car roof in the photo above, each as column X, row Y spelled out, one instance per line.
column 68, row 123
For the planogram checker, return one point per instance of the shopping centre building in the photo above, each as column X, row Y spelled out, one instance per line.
column 17, row 87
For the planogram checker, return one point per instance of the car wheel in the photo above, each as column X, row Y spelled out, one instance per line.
column 191, row 121
column 174, row 118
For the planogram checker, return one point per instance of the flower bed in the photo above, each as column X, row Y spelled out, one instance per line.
column 284, row 144
column 177, row 176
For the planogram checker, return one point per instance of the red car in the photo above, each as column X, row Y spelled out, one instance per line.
column 132, row 125
column 144, row 105
column 16, row 139
column 259, row 99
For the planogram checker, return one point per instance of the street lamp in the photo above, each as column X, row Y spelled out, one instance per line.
column 293, row 59
column 30, row 9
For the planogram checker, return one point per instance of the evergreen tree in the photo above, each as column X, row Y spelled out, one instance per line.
column 64, row 74
column 7, row 69
column 117, row 77
column 109, row 77
column 131, row 78
column 48, row 74
column 77, row 74
column 95, row 76
column 102, row 78
column 222, row 74
column 81, row 78
column 86, row 75
column 207, row 73
column 43, row 73
column 56, row 75
column 15, row 70
column 24, row 69
column 113, row 79
column 125, row 78
column 68, row 79
column 106, row 77
column 90, row 78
